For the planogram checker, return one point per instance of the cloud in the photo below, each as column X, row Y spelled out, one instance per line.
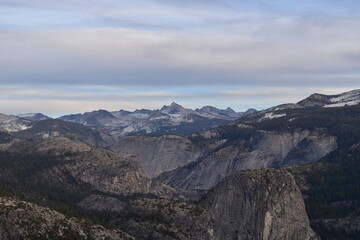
column 149, row 48
column 115, row 56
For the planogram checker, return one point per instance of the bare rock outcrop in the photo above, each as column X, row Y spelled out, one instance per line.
column 159, row 154
column 260, row 149
column 261, row 204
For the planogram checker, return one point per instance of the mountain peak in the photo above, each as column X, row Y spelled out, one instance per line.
column 174, row 104
column 339, row 100
column 34, row 116
column 173, row 108
column 229, row 109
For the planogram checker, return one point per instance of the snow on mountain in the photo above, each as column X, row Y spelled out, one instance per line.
column 173, row 118
column 315, row 100
column 34, row 116
column 272, row 115
column 345, row 99
column 12, row 123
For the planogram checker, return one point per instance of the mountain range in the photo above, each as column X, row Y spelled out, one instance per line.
column 172, row 119
column 287, row 172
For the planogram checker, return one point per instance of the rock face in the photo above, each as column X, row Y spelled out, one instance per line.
column 23, row 220
column 103, row 170
column 259, row 204
column 110, row 172
column 159, row 154
column 199, row 161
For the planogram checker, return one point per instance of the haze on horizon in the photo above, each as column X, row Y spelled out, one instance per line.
column 61, row 57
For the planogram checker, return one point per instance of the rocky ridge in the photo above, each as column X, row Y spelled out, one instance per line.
column 172, row 119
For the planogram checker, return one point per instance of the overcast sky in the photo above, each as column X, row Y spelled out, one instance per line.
column 70, row 56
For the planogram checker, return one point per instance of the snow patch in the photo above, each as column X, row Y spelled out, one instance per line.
column 346, row 99
column 272, row 115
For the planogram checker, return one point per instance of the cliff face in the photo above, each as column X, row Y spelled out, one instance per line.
column 103, row 170
column 260, row 149
column 159, row 154
column 259, row 204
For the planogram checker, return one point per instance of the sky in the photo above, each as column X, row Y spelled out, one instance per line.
column 70, row 56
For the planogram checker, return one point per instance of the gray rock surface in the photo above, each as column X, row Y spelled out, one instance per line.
column 259, row 204
column 159, row 154
column 199, row 161
column 103, row 170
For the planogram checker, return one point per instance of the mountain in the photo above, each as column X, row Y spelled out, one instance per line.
column 75, row 179
column 24, row 220
column 103, row 170
column 34, row 116
column 259, row 204
column 319, row 100
column 172, row 119
column 198, row 161
column 74, row 131
column 12, row 123
column 316, row 100
column 190, row 186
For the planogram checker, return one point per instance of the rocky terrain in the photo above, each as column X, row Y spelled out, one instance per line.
column 148, row 187
column 11, row 123
column 159, row 154
column 24, row 220
column 103, row 170
column 56, row 128
column 199, row 161
column 165, row 220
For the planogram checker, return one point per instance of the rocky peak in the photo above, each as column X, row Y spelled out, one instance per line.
column 124, row 112
column 249, row 111
column 99, row 113
column 143, row 111
column 315, row 100
column 172, row 109
column 340, row 100
column 229, row 109
column 207, row 109
column 259, row 204
column 34, row 116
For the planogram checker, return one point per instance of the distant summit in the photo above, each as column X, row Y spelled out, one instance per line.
column 34, row 116
column 170, row 119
